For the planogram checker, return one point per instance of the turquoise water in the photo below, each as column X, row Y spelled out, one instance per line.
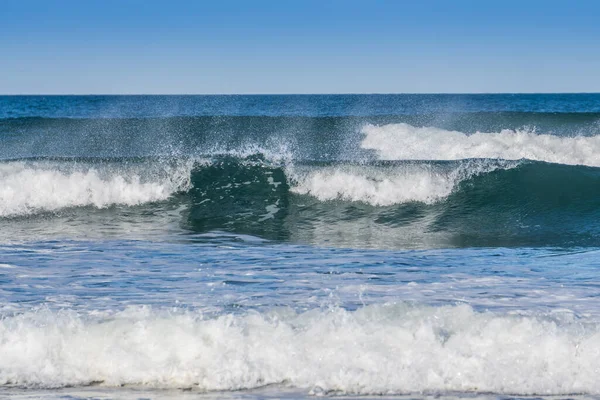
column 292, row 246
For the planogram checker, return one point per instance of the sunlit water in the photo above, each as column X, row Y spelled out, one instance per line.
column 286, row 247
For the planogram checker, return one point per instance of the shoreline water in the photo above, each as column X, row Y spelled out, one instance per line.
column 444, row 247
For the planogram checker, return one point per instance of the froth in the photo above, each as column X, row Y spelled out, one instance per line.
column 406, row 142
column 381, row 186
column 379, row 349
column 27, row 188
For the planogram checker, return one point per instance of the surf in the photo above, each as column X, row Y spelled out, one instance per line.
column 398, row 184
column 376, row 350
column 407, row 142
column 29, row 187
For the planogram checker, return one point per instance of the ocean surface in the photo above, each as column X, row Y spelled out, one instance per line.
column 246, row 247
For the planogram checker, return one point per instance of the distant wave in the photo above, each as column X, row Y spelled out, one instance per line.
column 407, row 142
column 378, row 349
column 324, row 138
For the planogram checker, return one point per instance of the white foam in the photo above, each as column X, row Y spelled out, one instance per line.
column 27, row 188
column 381, row 186
column 379, row 349
column 406, row 142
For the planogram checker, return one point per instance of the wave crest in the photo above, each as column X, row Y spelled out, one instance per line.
column 379, row 349
column 406, row 142
column 30, row 187
column 385, row 186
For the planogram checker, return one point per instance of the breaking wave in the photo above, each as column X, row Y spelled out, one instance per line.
column 407, row 142
column 407, row 185
column 389, row 184
column 378, row 349
column 31, row 187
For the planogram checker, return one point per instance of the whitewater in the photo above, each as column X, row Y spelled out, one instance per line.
column 29, row 187
column 409, row 246
column 392, row 349
column 430, row 143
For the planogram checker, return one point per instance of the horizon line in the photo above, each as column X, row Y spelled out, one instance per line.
column 290, row 94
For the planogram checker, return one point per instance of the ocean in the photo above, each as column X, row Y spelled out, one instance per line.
column 249, row 247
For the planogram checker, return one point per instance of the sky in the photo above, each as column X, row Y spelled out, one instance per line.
column 300, row 46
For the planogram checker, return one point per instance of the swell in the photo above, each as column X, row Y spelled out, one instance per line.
column 291, row 105
column 377, row 349
column 468, row 122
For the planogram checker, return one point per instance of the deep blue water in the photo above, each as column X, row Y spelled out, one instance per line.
column 285, row 246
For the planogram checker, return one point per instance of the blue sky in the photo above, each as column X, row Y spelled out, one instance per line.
column 326, row 46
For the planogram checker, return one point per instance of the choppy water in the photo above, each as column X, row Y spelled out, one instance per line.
column 287, row 246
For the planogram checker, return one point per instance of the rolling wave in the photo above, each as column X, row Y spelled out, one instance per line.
column 478, row 202
column 398, row 186
column 407, row 142
column 29, row 187
column 377, row 349
column 387, row 184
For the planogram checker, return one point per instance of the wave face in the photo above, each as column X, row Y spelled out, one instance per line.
column 379, row 349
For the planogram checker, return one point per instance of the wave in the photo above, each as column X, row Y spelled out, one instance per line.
column 273, row 195
column 391, row 204
column 407, row 142
column 388, row 184
column 323, row 138
column 29, row 187
column 377, row 349
column 32, row 186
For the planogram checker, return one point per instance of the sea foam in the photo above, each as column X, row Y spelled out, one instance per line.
column 378, row 349
column 407, row 142
column 27, row 187
column 427, row 182
column 384, row 186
